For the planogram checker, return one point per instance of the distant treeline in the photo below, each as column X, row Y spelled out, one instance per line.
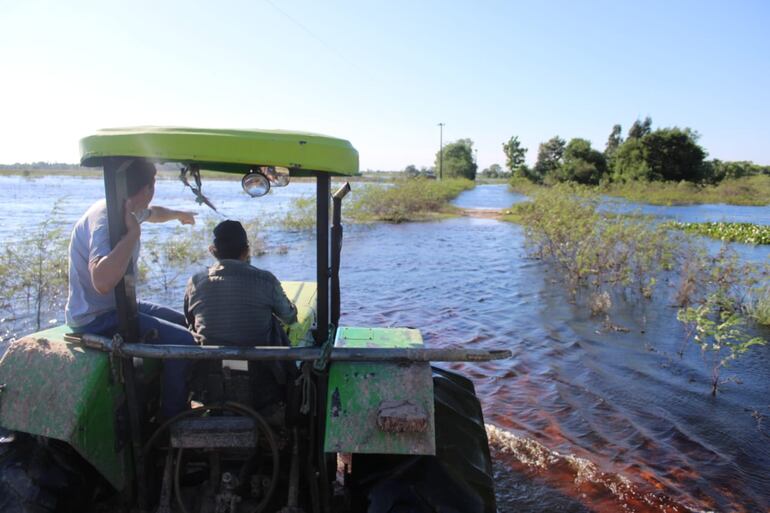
column 663, row 154
column 18, row 166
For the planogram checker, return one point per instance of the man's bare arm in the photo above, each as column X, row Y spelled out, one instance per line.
column 163, row 215
column 107, row 271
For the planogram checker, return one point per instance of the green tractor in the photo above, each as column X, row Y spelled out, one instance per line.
column 365, row 424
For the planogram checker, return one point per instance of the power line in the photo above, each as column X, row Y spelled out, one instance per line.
column 309, row 32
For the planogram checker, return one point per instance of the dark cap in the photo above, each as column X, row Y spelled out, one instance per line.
column 230, row 234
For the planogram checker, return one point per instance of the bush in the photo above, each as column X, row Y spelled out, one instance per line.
column 406, row 200
column 33, row 271
column 301, row 215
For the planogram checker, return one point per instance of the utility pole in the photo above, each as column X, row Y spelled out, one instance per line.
column 441, row 152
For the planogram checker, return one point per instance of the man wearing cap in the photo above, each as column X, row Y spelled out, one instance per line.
column 233, row 302
column 95, row 268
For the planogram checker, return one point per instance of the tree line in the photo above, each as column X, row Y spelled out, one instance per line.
column 662, row 154
column 644, row 154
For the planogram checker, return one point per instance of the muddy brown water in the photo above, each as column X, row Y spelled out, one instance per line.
column 581, row 418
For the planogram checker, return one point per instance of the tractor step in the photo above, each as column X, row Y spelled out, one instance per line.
column 214, row 432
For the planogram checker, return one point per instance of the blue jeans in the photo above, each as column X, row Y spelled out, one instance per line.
column 171, row 328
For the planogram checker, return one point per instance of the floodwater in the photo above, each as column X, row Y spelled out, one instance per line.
column 582, row 417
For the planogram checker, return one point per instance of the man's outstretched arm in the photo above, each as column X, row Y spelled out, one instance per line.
column 163, row 215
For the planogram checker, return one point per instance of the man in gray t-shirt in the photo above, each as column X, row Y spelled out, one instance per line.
column 95, row 268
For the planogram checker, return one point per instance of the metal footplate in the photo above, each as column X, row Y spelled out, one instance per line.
column 214, row 432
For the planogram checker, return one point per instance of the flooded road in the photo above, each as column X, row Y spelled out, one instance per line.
column 581, row 418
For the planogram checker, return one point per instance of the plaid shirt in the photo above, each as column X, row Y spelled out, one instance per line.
column 232, row 303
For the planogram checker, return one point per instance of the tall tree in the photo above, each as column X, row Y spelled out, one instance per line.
column 458, row 160
column 640, row 129
column 549, row 156
column 514, row 155
column 613, row 141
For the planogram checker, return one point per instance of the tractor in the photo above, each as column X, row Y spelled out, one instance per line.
column 364, row 423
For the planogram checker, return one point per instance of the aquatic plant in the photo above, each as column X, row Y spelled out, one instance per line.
column 758, row 306
column 747, row 233
column 257, row 243
column 171, row 257
column 563, row 226
column 719, row 333
column 37, row 264
column 301, row 216
column 406, row 200
column 626, row 257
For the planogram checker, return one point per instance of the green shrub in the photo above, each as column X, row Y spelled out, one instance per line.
column 301, row 215
column 563, row 226
column 36, row 269
column 406, row 200
column 719, row 333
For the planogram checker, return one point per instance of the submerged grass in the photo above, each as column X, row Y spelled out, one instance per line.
column 747, row 233
column 748, row 190
column 407, row 200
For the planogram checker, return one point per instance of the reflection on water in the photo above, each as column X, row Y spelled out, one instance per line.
column 581, row 419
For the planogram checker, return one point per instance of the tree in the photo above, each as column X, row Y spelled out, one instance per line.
column 549, row 156
column 458, row 160
column 494, row 171
column 411, row 171
column 628, row 162
column 514, row 155
column 665, row 154
column 613, row 141
column 639, row 130
column 674, row 154
column 582, row 163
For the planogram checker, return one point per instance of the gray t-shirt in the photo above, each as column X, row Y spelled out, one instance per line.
column 90, row 240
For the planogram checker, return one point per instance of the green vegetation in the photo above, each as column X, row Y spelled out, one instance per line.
column 611, row 256
column 301, row 216
column 171, row 257
column 407, row 200
column 564, row 227
column 33, row 270
column 494, row 171
column 514, row 157
column 719, row 333
column 746, row 190
column 747, row 233
column 660, row 166
column 458, row 160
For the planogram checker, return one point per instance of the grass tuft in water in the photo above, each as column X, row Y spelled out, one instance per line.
column 407, row 200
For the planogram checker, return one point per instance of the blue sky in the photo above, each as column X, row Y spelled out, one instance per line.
column 383, row 74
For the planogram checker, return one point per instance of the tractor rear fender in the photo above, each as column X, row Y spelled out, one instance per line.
column 60, row 390
column 380, row 408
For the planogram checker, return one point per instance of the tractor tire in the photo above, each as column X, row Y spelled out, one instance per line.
column 458, row 479
column 31, row 481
